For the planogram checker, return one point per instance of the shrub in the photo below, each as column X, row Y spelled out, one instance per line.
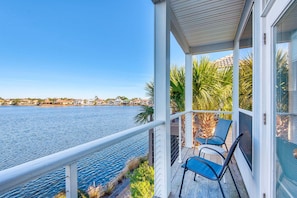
column 80, row 194
column 142, row 181
column 95, row 191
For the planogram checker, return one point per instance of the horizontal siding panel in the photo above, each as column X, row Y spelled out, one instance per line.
column 208, row 12
column 196, row 26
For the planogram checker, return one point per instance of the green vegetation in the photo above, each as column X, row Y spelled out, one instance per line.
column 246, row 83
column 212, row 86
column 146, row 112
column 122, row 97
column 142, row 181
column 177, row 88
column 145, row 115
column 212, row 90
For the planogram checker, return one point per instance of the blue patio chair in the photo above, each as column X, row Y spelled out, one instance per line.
column 220, row 134
column 209, row 169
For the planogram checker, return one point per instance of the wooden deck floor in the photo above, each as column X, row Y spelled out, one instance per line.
column 203, row 187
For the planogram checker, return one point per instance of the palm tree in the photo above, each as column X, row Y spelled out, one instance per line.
column 146, row 112
column 149, row 88
column 145, row 116
column 246, row 83
column 177, row 89
column 212, row 90
column 210, row 85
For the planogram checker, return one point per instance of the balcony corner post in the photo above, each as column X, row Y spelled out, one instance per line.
column 189, row 101
column 162, row 149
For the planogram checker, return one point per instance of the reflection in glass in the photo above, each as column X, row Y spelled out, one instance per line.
column 246, row 67
column 246, row 90
column 286, row 103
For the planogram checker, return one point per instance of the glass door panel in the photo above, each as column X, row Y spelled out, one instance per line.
column 286, row 104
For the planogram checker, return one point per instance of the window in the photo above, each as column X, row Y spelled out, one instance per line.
column 246, row 67
column 246, row 90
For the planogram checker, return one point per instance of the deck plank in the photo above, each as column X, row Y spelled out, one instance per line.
column 203, row 187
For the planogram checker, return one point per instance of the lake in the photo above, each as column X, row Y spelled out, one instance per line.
column 27, row 133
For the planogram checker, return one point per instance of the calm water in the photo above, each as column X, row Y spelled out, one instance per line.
column 27, row 133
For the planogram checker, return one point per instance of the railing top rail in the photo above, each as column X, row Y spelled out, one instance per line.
column 211, row 111
column 286, row 113
column 176, row 115
column 20, row 174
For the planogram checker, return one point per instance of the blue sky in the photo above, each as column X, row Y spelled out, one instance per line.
column 77, row 49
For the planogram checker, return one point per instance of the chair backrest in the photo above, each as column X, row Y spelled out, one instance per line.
column 222, row 128
column 286, row 158
column 230, row 153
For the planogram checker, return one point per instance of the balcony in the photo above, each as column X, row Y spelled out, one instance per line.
column 203, row 187
column 69, row 160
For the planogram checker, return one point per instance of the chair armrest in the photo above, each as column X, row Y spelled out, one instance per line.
column 208, row 138
column 218, row 138
column 212, row 150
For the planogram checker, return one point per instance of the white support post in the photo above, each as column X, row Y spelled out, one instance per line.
column 71, row 180
column 162, row 148
column 189, row 101
column 235, row 116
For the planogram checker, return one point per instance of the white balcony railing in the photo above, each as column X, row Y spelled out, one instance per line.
column 18, row 175
column 12, row 177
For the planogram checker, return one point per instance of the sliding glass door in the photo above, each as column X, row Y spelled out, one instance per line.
column 285, row 103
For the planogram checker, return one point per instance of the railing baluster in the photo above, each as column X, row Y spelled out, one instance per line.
column 179, row 140
column 71, row 180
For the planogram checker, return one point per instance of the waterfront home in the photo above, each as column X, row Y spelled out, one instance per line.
column 78, row 102
column 118, row 101
column 261, row 28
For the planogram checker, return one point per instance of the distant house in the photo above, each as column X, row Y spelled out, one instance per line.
column 118, row 101
column 99, row 101
column 90, row 102
column 78, row 102
column 223, row 62
column 110, row 101
column 146, row 102
column 136, row 101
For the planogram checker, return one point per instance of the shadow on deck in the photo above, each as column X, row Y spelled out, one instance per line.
column 203, row 187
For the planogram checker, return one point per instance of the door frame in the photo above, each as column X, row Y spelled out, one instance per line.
column 268, row 168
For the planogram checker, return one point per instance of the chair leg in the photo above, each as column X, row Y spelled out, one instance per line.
column 195, row 177
column 221, row 188
column 226, row 147
column 181, row 187
column 234, row 182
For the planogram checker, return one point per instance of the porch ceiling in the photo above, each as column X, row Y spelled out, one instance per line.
column 202, row 26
